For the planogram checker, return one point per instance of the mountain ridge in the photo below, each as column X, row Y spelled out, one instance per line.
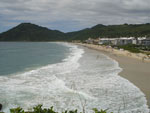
column 33, row 32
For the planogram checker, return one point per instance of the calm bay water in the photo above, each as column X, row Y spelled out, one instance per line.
column 17, row 57
column 64, row 76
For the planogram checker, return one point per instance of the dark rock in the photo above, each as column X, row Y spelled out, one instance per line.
column 1, row 107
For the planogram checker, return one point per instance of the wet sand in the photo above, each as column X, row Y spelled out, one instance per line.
column 135, row 70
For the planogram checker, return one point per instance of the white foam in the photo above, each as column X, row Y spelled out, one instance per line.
column 37, row 82
column 75, row 82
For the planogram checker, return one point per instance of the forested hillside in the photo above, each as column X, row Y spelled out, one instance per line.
column 32, row 32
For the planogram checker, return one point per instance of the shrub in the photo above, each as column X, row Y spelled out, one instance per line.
column 39, row 109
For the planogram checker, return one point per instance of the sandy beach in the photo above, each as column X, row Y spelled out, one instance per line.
column 135, row 68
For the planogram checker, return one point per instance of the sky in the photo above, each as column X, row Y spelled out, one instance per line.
column 73, row 15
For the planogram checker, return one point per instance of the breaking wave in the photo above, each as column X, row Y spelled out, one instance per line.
column 84, row 79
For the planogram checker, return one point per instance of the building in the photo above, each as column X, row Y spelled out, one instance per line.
column 96, row 41
column 145, row 42
column 140, row 40
column 92, row 41
column 108, row 41
column 125, row 41
column 120, row 41
column 135, row 41
column 89, row 41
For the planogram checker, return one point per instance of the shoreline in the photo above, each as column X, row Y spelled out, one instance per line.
column 135, row 69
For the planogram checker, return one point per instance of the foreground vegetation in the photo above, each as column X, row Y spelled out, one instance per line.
column 39, row 109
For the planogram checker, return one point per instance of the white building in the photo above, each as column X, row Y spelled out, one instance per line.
column 125, row 41
column 108, row 41
column 140, row 40
column 145, row 42
column 118, row 41
column 121, row 41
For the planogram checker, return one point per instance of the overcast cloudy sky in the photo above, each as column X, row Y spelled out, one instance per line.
column 70, row 15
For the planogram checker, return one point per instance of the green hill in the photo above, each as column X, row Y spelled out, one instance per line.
column 112, row 31
column 32, row 32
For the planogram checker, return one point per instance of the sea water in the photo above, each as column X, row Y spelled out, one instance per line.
column 65, row 76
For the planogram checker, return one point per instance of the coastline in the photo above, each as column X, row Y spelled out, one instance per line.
column 135, row 69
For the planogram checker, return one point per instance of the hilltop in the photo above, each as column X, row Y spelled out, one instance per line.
column 32, row 32
column 112, row 31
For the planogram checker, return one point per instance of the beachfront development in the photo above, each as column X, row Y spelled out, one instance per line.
column 145, row 41
column 127, row 46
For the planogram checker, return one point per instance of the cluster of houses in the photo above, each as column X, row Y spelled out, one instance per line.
column 120, row 41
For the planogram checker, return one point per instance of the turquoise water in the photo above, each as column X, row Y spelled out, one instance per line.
column 23, row 56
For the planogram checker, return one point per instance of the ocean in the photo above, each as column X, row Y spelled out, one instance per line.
column 65, row 76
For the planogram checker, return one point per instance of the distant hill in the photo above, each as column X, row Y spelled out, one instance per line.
column 112, row 31
column 32, row 32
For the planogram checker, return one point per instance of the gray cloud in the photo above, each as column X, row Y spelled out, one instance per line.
column 68, row 15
